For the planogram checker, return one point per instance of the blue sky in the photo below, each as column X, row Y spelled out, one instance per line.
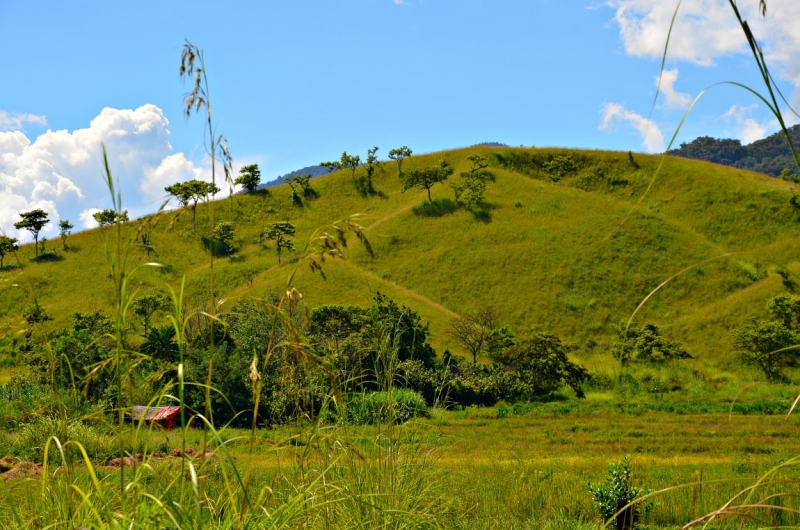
column 293, row 83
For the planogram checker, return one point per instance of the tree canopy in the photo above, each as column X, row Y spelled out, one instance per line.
column 645, row 345
column 65, row 229
column 426, row 178
column 194, row 191
column 398, row 155
column 7, row 246
column 542, row 365
column 772, row 345
column 279, row 232
column 33, row 221
column 770, row 155
column 249, row 177
column 109, row 217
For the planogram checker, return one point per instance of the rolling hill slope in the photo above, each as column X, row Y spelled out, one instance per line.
column 561, row 255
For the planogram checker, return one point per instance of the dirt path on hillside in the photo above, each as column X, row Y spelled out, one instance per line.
column 404, row 209
column 409, row 292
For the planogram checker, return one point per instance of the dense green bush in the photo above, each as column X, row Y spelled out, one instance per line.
column 373, row 408
column 32, row 437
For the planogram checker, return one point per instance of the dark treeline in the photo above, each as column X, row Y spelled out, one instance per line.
column 330, row 353
column 769, row 156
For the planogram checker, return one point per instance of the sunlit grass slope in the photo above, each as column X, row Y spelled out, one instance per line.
column 570, row 257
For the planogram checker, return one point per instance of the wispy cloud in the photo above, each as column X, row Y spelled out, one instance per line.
column 748, row 130
column 672, row 98
column 652, row 138
column 14, row 122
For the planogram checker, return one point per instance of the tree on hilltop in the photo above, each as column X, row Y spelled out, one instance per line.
column 65, row 229
column 249, row 177
column 345, row 162
column 364, row 183
column 7, row 246
column 398, row 155
column 192, row 190
column 33, row 221
column 426, row 178
column 109, row 217
column 472, row 186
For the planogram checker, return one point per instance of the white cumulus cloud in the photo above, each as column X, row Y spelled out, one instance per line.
column 87, row 218
column 706, row 30
column 652, row 138
column 172, row 169
column 63, row 169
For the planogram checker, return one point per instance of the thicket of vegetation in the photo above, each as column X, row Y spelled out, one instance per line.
column 771, row 155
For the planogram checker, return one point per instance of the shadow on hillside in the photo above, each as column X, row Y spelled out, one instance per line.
column 437, row 208
column 47, row 256
column 366, row 189
column 218, row 248
column 442, row 207
column 483, row 213
column 8, row 267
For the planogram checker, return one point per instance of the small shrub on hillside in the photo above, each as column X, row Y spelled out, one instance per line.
column 645, row 345
column 560, row 166
column 615, row 493
column 770, row 345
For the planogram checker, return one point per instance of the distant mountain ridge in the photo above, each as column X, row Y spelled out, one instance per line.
column 314, row 171
column 769, row 156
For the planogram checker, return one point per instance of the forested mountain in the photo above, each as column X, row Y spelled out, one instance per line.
column 769, row 156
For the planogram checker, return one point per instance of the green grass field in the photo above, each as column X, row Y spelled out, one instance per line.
column 528, row 471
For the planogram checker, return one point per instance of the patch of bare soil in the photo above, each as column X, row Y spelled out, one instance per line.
column 12, row 469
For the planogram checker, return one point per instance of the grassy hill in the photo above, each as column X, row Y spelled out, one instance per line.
column 558, row 255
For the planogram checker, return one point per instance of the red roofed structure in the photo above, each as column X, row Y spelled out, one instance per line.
column 167, row 417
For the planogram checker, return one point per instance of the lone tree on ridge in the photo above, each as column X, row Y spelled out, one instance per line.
column 33, row 221
column 65, row 229
column 249, row 177
column 192, row 190
column 426, row 178
column 109, row 217
column 398, row 155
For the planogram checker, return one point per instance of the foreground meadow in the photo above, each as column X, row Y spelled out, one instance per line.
column 481, row 467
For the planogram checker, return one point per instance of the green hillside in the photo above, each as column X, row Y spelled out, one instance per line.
column 548, row 253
